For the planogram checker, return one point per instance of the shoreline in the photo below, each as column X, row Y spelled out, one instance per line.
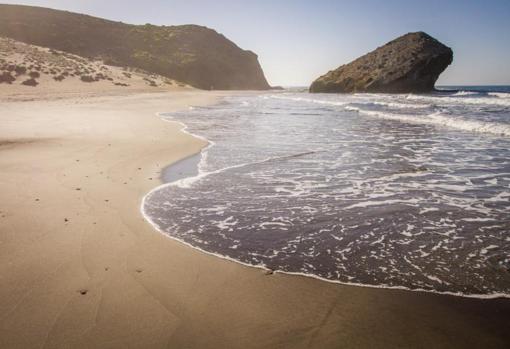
column 195, row 159
column 184, row 168
column 80, row 267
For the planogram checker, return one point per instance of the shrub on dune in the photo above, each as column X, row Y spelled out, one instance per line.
column 7, row 78
column 87, row 78
column 30, row 82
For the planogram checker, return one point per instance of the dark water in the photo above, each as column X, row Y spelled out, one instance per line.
column 386, row 190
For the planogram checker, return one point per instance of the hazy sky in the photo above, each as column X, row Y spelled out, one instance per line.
column 299, row 40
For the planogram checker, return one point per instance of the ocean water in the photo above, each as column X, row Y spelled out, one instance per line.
column 404, row 191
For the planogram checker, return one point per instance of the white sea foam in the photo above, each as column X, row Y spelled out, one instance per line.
column 441, row 120
column 459, row 100
column 500, row 94
column 353, row 100
column 310, row 100
column 487, row 249
column 465, row 93
column 380, row 203
column 403, row 105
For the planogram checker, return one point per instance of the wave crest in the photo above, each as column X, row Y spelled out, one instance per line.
column 439, row 119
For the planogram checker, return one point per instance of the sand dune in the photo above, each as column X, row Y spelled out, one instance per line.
column 33, row 72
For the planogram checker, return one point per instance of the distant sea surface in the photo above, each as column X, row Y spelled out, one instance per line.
column 403, row 191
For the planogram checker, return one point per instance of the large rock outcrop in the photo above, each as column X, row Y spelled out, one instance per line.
column 410, row 63
column 193, row 54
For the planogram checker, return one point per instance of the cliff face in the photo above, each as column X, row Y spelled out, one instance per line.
column 410, row 63
column 193, row 54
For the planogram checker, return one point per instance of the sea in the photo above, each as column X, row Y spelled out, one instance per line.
column 406, row 191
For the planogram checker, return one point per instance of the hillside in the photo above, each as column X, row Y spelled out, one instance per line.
column 193, row 54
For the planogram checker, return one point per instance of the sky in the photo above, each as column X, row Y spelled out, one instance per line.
column 297, row 41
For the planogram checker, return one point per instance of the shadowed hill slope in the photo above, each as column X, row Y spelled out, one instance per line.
column 192, row 54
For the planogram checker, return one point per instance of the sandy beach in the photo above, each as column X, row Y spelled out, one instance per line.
column 81, row 268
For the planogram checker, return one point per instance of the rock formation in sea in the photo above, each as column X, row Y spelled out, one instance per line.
column 192, row 54
column 410, row 63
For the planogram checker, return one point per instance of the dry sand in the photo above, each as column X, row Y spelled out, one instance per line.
column 80, row 268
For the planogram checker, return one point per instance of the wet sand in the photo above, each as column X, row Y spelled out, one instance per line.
column 81, row 268
column 187, row 167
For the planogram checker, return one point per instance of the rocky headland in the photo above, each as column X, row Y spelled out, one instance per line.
column 410, row 63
